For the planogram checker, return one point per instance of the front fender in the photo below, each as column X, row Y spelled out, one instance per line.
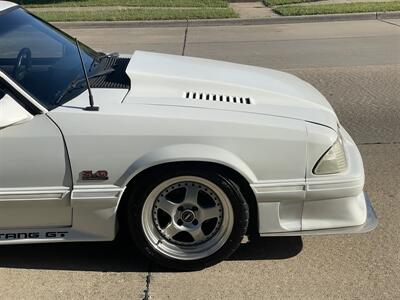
column 184, row 153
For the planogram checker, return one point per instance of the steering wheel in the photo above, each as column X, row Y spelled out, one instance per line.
column 23, row 65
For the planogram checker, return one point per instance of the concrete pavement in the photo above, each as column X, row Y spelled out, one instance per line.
column 72, row 271
column 356, row 65
column 283, row 46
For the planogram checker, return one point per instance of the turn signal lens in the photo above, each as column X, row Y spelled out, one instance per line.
column 333, row 161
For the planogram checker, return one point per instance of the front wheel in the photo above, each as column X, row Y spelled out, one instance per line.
column 187, row 220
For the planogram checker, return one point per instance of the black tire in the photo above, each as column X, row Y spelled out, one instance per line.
column 136, row 202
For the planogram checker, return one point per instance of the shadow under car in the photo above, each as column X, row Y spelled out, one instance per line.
column 122, row 256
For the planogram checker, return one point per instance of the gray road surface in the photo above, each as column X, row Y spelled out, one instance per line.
column 356, row 65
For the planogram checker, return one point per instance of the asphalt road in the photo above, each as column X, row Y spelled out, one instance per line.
column 356, row 65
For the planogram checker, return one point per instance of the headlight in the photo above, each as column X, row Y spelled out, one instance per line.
column 333, row 161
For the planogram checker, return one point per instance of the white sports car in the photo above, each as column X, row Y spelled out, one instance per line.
column 188, row 155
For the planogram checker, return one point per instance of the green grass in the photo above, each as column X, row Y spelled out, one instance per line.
column 139, row 10
column 142, row 3
column 340, row 8
column 283, row 2
column 139, row 14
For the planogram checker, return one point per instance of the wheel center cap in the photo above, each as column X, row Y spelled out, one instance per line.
column 188, row 216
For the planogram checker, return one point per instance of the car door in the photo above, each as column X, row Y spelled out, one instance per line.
column 35, row 176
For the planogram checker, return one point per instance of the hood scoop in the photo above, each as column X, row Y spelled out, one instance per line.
column 217, row 97
column 163, row 79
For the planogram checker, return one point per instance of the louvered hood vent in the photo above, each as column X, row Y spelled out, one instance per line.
column 215, row 97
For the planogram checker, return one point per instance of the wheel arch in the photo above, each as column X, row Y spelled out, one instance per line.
column 228, row 171
column 187, row 153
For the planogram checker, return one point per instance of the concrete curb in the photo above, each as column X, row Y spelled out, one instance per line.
column 389, row 15
column 231, row 22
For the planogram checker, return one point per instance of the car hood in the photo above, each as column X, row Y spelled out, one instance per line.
column 161, row 79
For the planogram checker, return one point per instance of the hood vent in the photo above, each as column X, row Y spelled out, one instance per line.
column 215, row 97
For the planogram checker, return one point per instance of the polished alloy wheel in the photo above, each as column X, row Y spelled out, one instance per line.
column 187, row 218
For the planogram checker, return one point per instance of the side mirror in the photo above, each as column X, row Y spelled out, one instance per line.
column 11, row 113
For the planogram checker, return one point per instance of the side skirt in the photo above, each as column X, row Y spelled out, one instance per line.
column 94, row 219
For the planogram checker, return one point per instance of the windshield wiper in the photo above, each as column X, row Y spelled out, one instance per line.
column 114, row 54
column 74, row 83
column 98, row 59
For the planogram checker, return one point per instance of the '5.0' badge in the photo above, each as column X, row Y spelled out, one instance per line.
column 90, row 175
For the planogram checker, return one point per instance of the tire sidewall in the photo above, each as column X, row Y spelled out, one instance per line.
column 138, row 198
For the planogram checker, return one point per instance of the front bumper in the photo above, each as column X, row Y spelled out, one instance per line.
column 370, row 224
column 318, row 204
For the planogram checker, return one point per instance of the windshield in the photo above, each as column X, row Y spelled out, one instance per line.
column 41, row 59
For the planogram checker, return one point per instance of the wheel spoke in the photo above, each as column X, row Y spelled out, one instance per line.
column 187, row 216
column 167, row 206
column 198, row 234
column 209, row 213
column 192, row 192
column 170, row 230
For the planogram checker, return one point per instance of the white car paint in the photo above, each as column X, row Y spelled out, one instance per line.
column 6, row 5
column 271, row 92
column 12, row 113
column 269, row 126
column 156, row 129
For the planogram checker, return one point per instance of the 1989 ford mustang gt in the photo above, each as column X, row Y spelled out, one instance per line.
column 188, row 155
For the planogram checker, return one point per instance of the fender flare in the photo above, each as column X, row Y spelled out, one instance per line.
column 186, row 153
